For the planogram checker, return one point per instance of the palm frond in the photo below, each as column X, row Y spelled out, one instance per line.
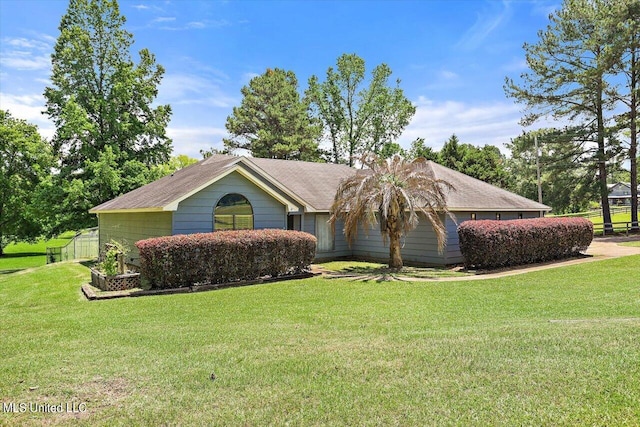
column 391, row 193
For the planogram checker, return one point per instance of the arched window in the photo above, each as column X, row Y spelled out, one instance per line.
column 233, row 212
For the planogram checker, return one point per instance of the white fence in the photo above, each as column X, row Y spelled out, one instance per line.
column 84, row 245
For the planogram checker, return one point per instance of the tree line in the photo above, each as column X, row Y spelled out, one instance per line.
column 110, row 138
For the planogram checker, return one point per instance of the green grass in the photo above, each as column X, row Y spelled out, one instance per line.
column 18, row 256
column 381, row 271
column 632, row 244
column 556, row 347
column 617, row 217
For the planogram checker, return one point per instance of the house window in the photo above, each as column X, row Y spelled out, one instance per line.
column 519, row 215
column 233, row 212
column 473, row 216
column 498, row 216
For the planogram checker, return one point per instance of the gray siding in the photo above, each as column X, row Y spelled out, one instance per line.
column 452, row 253
column 420, row 246
column 195, row 214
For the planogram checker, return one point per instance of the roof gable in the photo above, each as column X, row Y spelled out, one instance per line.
column 299, row 185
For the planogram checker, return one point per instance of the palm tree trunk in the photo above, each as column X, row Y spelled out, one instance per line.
column 395, row 258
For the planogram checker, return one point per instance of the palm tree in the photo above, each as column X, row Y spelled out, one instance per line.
column 392, row 192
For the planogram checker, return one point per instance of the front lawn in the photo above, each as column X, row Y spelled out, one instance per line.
column 555, row 347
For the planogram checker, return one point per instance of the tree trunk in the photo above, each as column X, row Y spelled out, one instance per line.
column 602, row 158
column 633, row 111
column 395, row 257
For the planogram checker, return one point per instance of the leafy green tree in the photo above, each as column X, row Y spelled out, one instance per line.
column 175, row 163
column 25, row 161
column 419, row 148
column 392, row 194
column 358, row 119
column 452, row 153
column 102, row 105
column 272, row 121
column 568, row 73
column 567, row 174
column 212, row 151
column 391, row 149
column 486, row 163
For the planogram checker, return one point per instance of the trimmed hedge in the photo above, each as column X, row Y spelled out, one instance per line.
column 491, row 244
column 224, row 256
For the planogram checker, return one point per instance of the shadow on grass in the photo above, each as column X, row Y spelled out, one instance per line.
column 88, row 263
column 21, row 254
column 385, row 274
column 14, row 270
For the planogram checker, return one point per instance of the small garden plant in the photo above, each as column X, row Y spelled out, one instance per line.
column 113, row 263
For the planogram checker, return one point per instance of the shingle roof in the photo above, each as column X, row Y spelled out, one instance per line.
column 472, row 194
column 315, row 183
column 166, row 190
column 312, row 184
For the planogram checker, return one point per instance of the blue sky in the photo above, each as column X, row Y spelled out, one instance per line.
column 451, row 56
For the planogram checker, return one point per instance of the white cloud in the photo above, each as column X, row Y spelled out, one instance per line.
column 492, row 123
column 25, row 61
column 545, row 7
column 449, row 75
column 190, row 140
column 165, row 19
column 516, row 65
column 187, row 89
column 26, row 54
column 196, row 25
column 192, row 25
column 29, row 108
column 486, row 23
column 247, row 77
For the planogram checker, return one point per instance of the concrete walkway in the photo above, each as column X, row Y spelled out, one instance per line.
column 609, row 247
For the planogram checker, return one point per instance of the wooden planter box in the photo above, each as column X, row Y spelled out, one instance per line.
column 119, row 282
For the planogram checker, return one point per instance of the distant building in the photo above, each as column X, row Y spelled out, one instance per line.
column 620, row 194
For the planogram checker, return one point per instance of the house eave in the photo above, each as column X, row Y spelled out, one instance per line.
column 490, row 209
column 132, row 210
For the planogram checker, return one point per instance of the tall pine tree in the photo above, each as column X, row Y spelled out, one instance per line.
column 624, row 22
column 568, row 78
column 273, row 121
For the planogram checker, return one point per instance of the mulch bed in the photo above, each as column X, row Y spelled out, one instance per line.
column 92, row 293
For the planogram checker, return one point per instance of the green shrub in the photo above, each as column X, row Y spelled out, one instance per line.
column 491, row 244
column 224, row 256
